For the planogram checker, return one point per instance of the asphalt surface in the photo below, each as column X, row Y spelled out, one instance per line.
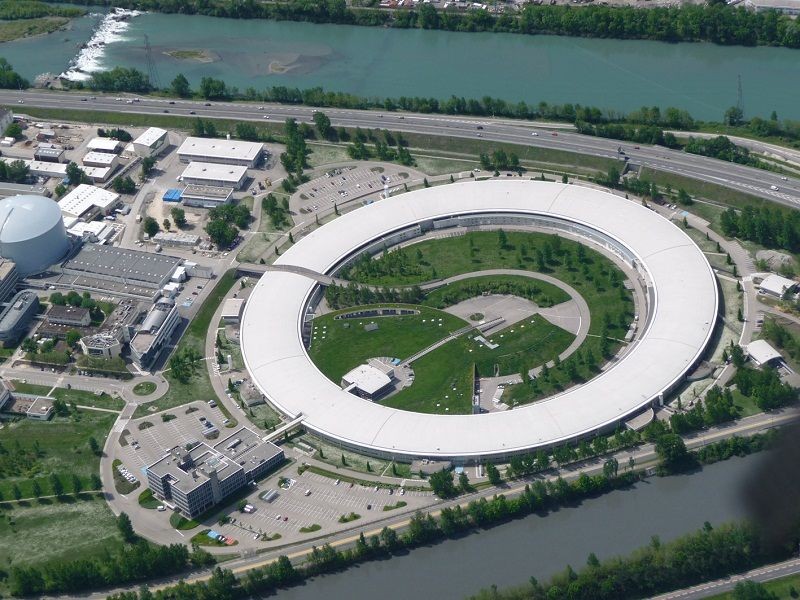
column 744, row 179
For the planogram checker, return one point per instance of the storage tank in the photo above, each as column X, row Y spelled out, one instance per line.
column 32, row 233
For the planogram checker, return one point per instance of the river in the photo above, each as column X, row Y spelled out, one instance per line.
column 616, row 74
column 613, row 524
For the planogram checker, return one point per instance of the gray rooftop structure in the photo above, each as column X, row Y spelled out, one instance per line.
column 15, row 317
column 131, row 267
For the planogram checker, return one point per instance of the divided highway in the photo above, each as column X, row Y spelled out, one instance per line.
column 553, row 136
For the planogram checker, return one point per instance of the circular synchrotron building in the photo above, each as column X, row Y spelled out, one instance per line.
column 32, row 233
column 680, row 290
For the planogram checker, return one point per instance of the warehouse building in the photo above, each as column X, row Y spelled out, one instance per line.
column 106, row 344
column 49, row 153
column 762, row 353
column 206, row 196
column 776, row 286
column 119, row 271
column 215, row 175
column 232, row 310
column 787, row 7
column 104, row 160
column 87, row 201
column 151, row 143
column 15, row 317
column 224, row 152
column 155, row 332
column 99, row 144
column 176, row 238
column 197, row 479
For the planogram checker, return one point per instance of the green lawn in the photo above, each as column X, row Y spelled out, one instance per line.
column 746, row 403
column 44, row 531
column 347, row 344
column 63, row 449
column 81, row 397
column 199, row 386
column 145, row 388
column 783, row 588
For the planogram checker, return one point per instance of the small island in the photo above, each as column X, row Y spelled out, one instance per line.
column 201, row 56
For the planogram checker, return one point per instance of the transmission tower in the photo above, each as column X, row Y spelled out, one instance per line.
column 151, row 66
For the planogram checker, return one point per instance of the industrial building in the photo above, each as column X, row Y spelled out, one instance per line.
column 87, row 201
column 176, row 238
column 223, row 152
column 101, row 159
column 151, row 143
column 155, row 332
column 100, row 144
column 197, row 479
column 368, row 382
column 32, row 233
column 74, row 316
column 9, row 277
column 215, row 175
column 15, row 317
column 49, row 153
column 787, row 7
column 93, row 231
column 232, row 310
column 678, row 319
column 776, row 286
column 762, row 353
column 206, row 196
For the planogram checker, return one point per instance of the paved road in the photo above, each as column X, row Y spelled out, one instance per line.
column 744, row 179
column 726, row 584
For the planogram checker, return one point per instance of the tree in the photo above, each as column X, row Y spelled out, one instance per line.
column 442, row 484
column 247, row 131
column 56, row 485
column 178, row 217
column 733, row 116
column 463, row 482
column 123, row 185
column 147, row 167
column 72, row 337
column 221, row 233
column 37, row 489
column 16, row 492
column 493, row 474
column 213, row 89
column 77, row 484
column 167, row 225
column 323, row 125
column 94, row 446
column 752, row 590
column 180, row 86
column 150, row 226
column 60, row 190
column 125, row 528
column 671, row 449
column 76, row 175
column 13, row 130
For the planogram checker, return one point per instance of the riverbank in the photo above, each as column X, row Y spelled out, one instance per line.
column 26, row 28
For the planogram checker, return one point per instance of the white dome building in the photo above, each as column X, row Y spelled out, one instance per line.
column 32, row 233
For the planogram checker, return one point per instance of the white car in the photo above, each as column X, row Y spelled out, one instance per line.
column 533, row 133
column 161, row 508
column 774, row 188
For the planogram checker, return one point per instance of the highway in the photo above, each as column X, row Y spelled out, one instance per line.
column 551, row 136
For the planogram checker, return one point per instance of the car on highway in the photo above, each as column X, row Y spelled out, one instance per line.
column 479, row 127
column 84, row 99
column 533, row 133
column 191, row 112
column 20, row 101
column 172, row 101
column 774, row 188
column 784, row 179
column 165, row 110
column 207, row 104
column 554, row 134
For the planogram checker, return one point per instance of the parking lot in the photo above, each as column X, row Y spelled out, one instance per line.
column 346, row 184
column 289, row 510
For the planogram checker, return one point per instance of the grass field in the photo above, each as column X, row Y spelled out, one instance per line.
column 592, row 275
column 44, row 531
column 63, row 449
column 13, row 30
column 81, row 397
column 145, row 388
column 784, row 588
column 199, row 386
column 339, row 345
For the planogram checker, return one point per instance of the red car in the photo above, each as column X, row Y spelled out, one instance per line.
column 554, row 134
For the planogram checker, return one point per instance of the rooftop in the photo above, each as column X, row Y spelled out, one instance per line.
column 777, row 285
column 210, row 192
column 68, row 312
column 103, row 144
column 150, row 137
column 105, row 158
column 217, row 148
column 85, row 197
column 214, row 172
column 762, row 352
column 11, row 315
column 232, row 308
column 25, row 217
column 134, row 266
column 367, row 379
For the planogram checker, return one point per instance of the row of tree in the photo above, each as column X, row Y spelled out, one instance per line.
column 768, row 225
column 352, row 294
column 11, row 10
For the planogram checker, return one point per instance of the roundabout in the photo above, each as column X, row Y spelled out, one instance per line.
column 681, row 311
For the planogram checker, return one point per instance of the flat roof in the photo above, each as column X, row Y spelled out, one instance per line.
column 150, row 137
column 68, row 312
column 85, row 197
column 232, row 308
column 214, row 172
column 103, row 144
column 762, row 352
column 222, row 149
column 100, row 157
column 11, row 314
column 134, row 266
column 367, row 378
column 681, row 320
column 207, row 192
column 775, row 284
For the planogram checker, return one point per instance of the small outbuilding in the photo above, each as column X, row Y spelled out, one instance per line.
column 776, row 286
column 762, row 353
column 367, row 382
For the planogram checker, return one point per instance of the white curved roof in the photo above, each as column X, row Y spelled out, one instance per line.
column 26, row 217
column 681, row 324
